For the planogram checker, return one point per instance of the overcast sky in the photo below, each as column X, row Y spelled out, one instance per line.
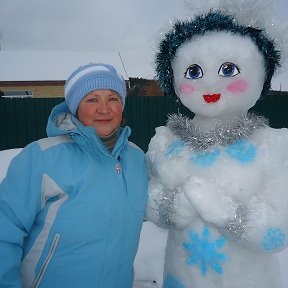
column 128, row 26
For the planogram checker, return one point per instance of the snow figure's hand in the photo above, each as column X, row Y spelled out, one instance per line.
column 168, row 208
column 212, row 207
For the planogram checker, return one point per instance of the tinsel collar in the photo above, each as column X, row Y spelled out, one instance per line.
column 221, row 136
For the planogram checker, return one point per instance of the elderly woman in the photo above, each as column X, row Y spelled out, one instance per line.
column 72, row 204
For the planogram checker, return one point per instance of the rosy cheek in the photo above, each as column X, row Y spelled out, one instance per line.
column 238, row 86
column 185, row 88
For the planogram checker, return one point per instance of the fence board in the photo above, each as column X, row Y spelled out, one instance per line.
column 24, row 120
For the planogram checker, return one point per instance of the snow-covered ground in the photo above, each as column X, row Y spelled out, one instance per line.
column 150, row 257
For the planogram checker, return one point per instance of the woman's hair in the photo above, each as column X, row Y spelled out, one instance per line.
column 213, row 21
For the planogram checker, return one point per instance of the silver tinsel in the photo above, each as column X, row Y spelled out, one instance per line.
column 237, row 227
column 221, row 136
column 166, row 208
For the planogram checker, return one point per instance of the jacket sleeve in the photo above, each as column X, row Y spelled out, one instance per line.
column 20, row 200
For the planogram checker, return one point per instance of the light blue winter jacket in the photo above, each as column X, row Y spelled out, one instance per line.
column 71, row 212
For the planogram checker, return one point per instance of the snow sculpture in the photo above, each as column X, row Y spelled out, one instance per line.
column 219, row 181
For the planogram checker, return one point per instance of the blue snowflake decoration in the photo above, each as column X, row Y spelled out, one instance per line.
column 175, row 148
column 243, row 151
column 172, row 282
column 274, row 239
column 204, row 253
column 205, row 159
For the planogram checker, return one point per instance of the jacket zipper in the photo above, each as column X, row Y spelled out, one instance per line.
column 47, row 260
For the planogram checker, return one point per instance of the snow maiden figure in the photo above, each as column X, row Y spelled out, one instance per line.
column 219, row 181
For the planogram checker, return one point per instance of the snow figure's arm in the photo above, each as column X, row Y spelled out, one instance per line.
column 264, row 217
column 167, row 204
column 260, row 224
column 265, row 220
column 18, row 207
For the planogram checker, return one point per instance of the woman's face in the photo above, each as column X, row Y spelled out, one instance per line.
column 219, row 74
column 101, row 109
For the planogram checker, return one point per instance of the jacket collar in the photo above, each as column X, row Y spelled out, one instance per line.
column 61, row 121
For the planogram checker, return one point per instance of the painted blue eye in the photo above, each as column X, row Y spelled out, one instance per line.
column 194, row 72
column 228, row 69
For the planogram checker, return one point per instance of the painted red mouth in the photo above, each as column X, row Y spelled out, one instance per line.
column 211, row 98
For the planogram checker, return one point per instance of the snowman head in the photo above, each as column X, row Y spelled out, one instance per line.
column 215, row 66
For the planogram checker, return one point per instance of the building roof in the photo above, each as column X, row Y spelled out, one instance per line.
column 51, row 65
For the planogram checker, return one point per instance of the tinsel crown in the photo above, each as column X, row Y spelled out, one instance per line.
column 213, row 21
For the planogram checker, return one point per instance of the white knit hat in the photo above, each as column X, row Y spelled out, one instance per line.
column 89, row 78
